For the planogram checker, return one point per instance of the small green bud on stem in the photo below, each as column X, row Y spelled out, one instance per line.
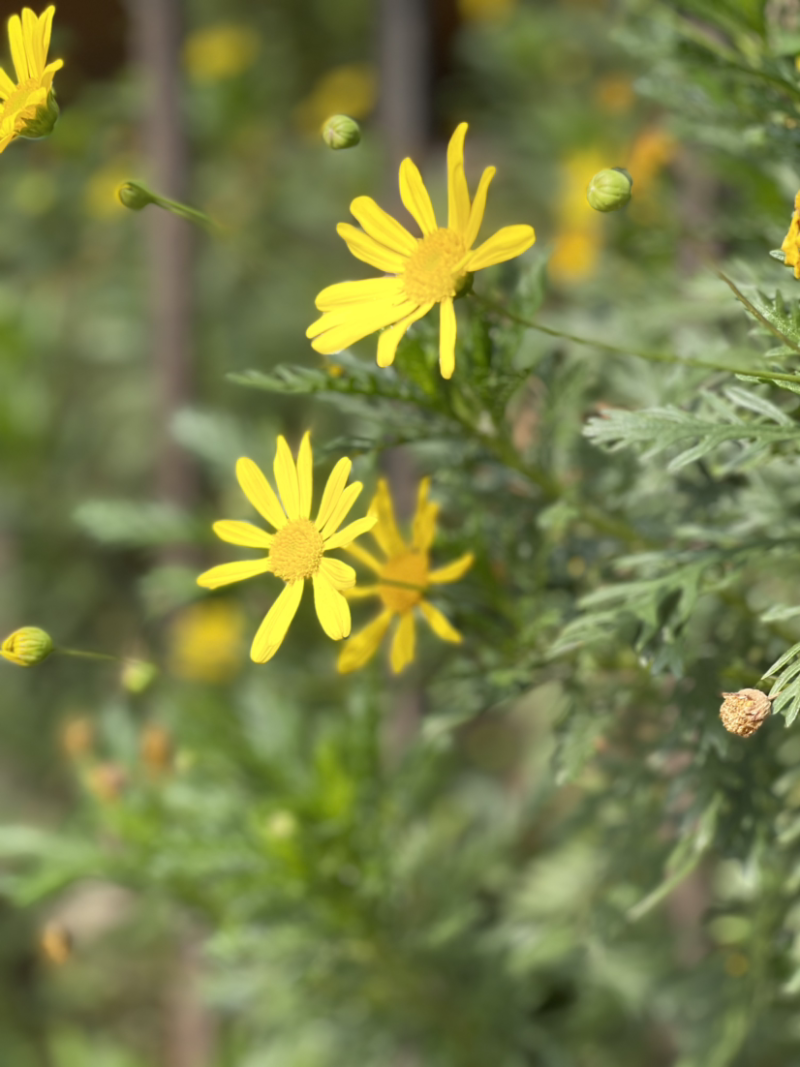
column 340, row 131
column 136, row 196
column 610, row 189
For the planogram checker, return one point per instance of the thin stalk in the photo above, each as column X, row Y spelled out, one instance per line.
column 651, row 357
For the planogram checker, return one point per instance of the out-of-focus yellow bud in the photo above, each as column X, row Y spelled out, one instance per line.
column 55, row 941
column 27, row 647
column 107, row 781
column 135, row 195
column 77, row 737
column 609, row 189
column 156, row 749
column 137, row 675
column 340, row 131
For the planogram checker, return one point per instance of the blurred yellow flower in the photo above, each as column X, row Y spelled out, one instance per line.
column 221, row 51
column 55, row 942
column 351, row 89
column 652, row 150
column 791, row 242
column 485, row 10
column 408, row 565
column 297, row 551
column 579, row 238
column 205, row 642
column 77, row 736
column 29, row 107
column 424, row 271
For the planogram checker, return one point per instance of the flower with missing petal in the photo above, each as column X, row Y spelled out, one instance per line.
column 403, row 578
column 423, row 271
column 297, row 550
column 28, row 108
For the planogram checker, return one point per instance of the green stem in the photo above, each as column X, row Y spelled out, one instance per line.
column 652, row 357
column 87, row 655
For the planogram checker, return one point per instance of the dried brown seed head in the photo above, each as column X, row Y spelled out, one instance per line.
column 743, row 713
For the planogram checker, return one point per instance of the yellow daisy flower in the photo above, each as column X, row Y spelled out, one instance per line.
column 409, row 566
column 28, row 108
column 297, row 550
column 427, row 270
column 791, row 242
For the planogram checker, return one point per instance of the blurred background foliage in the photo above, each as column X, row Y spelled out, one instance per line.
column 508, row 856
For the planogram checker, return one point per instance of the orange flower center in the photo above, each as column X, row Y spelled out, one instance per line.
column 434, row 271
column 410, row 569
column 297, row 551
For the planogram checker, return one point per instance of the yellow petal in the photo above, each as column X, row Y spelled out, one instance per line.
column 507, row 243
column 227, row 573
column 259, row 492
column 345, row 537
column 382, row 227
column 392, row 336
column 242, row 533
column 361, row 592
column 17, row 42
column 451, row 572
column 439, row 623
column 270, row 634
column 425, row 518
column 367, row 249
column 478, row 207
column 457, row 191
column 30, row 35
column 45, row 28
column 337, row 331
column 7, row 87
column 334, row 487
column 340, row 575
column 360, row 649
column 305, row 475
column 342, row 509
column 372, row 289
column 447, row 338
column 286, row 479
column 415, row 197
column 403, row 643
column 365, row 557
column 386, row 533
column 333, row 611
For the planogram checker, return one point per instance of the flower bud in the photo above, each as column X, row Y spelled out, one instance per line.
column 340, row 131
column 27, row 647
column 609, row 189
column 137, row 675
column 135, row 195
column 743, row 713
column 43, row 121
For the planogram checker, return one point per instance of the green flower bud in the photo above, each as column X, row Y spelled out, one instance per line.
column 340, row 131
column 137, row 675
column 135, row 195
column 27, row 647
column 41, row 125
column 609, row 189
